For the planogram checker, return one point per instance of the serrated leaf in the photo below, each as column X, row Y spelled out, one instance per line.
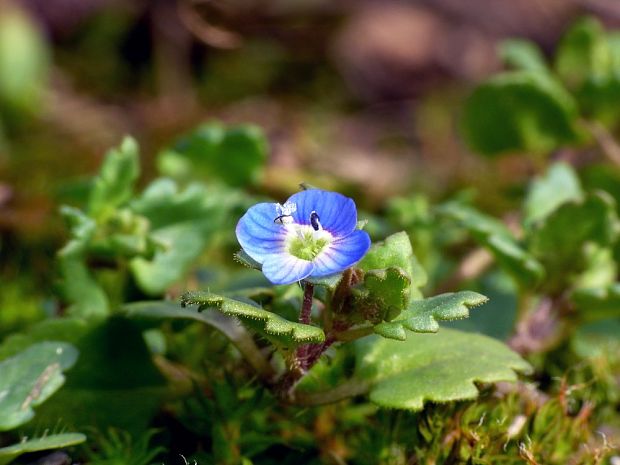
column 268, row 322
column 114, row 184
column 383, row 295
column 520, row 111
column 235, row 154
column 592, row 219
column 441, row 367
column 395, row 252
column 423, row 316
column 54, row 441
column 29, row 378
column 559, row 185
column 493, row 235
column 523, row 54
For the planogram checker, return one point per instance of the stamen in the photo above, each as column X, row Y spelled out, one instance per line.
column 315, row 221
column 287, row 209
column 283, row 219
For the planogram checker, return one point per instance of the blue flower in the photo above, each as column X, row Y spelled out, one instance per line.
column 313, row 234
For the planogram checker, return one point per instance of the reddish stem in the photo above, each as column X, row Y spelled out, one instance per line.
column 306, row 306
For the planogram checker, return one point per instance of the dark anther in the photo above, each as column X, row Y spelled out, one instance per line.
column 280, row 219
column 315, row 221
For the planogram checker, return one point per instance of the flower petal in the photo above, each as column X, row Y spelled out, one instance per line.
column 257, row 233
column 286, row 269
column 342, row 253
column 337, row 213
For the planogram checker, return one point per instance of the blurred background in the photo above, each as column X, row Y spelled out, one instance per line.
column 361, row 94
column 341, row 88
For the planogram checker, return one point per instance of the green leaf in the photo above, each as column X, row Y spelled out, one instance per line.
column 598, row 303
column 592, row 219
column 24, row 61
column 114, row 382
column 29, row 378
column 583, row 54
column 600, row 268
column 559, row 185
column 329, row 282
column 235, row 155
column 441, row 367
column 54, row 441
column 495, row 236
column 113, row 186
column 523, row 55
column 182, row 223
column 77, row 286
column 423, row 316
column 599, row 96
column 247, row 261
column 289, row 332
column 520, row 111
column 395, row 252
column 69, row 330
column 384, row 295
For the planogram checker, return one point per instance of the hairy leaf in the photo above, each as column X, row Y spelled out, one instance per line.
column 329, row 282
column 395, row 252
column 438, row 367
column 256, row 317
column 30, row 378
column 54, row 441
column 423, row 315
column 247, row 261
column 383, row 295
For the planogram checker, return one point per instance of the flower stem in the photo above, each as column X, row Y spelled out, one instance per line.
column 306, row 306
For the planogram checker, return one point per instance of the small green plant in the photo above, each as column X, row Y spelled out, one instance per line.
column 198, row 322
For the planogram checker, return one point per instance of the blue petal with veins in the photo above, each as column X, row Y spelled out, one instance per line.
column 296, row 249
